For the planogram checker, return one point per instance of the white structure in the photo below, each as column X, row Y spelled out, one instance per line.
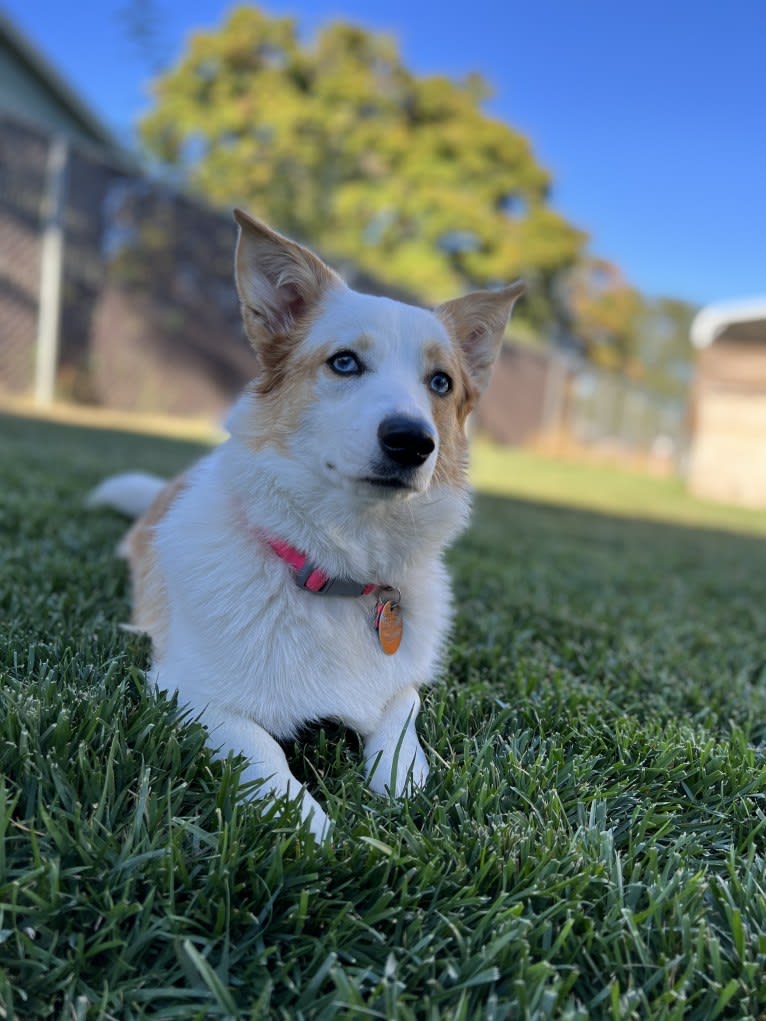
column 730, row 316
column 728, row 457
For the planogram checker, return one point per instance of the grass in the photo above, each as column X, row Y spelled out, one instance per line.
column 521, row 473
column 590, row 844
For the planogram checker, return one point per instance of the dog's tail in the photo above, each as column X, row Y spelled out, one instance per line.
column 131, row 493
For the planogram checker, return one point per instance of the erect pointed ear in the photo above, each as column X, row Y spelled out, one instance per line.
column 477, row 321
column 278, row 280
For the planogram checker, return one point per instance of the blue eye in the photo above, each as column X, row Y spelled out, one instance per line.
column 440, row 383
column 345, row 363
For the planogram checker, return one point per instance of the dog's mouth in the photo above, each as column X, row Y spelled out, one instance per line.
column 388, row 481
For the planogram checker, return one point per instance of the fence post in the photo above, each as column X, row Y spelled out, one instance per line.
column 554, row 393
column 51, row 271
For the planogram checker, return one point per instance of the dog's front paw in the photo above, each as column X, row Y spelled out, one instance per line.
column 419, row 771
column 394, row 772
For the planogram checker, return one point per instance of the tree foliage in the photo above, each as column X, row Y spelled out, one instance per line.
column 338, row 143
column 665, row 346
column 621, row 330
column 335, row 141
column 604, row 313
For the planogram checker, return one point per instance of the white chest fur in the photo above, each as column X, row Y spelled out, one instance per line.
column 243, row 637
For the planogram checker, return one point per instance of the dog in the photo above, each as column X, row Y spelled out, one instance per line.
column 296, row 572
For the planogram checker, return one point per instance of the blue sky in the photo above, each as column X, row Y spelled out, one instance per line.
column 651, row 117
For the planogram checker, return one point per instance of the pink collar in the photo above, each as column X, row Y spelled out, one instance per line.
column 312, row 578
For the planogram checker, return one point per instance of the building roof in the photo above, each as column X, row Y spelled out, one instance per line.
column 730, row 320
column 28, row 56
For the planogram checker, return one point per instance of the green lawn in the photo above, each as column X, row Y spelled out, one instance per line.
column 521, row 473
column 590, row 844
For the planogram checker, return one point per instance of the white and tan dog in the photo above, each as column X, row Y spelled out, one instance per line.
column 295, row 573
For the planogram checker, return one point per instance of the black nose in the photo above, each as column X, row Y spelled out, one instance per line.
column 407, row 441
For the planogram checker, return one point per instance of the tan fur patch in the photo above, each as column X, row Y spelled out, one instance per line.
column 284, row 387
column 280, row 285
column 283, row 390
column 476, row 322
column 450, row 414
column 150, row 604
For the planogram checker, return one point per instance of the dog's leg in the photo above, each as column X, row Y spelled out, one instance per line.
column 266, row 761
column 392, row 752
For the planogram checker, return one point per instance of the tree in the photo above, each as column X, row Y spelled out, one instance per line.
column 666, row 348
column 339, row 144
column 620, row 329
column 604, row 313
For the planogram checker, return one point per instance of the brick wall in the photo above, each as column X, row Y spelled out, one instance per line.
column 511, row 411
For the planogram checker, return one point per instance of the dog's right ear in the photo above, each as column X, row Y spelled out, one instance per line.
column 278, row 280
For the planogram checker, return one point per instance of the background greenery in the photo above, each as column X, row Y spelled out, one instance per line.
column 590, row 843
column 335, row 141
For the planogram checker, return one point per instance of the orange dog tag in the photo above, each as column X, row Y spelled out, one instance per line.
column 389, row 625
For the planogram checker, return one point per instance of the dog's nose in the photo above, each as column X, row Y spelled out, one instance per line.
column 407, row 441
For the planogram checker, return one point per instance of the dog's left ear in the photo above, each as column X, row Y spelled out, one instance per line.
column 278, row 280
column 477, row 321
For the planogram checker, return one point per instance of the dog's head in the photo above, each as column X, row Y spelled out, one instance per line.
column 368, row 394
